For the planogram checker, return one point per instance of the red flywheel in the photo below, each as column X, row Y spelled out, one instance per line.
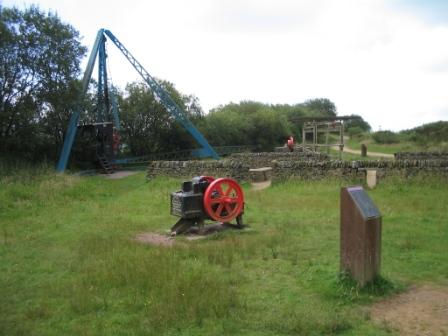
column 223, row 199
column 209, row 179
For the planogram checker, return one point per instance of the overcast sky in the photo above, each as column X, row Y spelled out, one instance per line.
column 386, row 60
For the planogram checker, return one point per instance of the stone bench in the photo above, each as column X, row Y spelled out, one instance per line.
column 260, row 177
column 260, row 174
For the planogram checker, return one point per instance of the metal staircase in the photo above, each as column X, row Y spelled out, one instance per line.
column 105, row 164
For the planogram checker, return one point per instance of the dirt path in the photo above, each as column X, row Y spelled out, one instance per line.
column 120, row 174
column 419, row 311
column 358, row 152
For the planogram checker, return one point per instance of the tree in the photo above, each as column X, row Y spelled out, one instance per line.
column 227, row 127
column 39, row 57
column 269, row 129
column 357, row 122
column 320, row 107
column 148, row 127
column 293, row 114
column 247, row 123
column 357, row 126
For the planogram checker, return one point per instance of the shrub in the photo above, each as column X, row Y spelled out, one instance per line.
column 354, row 131
column 385, row 137
column 436, row 132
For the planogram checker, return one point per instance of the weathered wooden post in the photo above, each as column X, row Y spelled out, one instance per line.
column 363, row 150
column 360, row 235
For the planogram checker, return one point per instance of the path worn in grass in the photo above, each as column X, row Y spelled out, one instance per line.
column 419, row 311
column 369, row 153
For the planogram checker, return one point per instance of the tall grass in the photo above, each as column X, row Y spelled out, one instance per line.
column 69, row 263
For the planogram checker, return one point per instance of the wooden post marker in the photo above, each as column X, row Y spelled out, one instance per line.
column 363, row 150
column 360, row 235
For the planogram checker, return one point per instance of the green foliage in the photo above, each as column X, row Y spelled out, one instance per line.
column 320, row 107
column 354, row 131
column 293, row 114
column 227, row 127
column 435, row 132
column 248, row 123
column 148, row 127
column 40, row 58
column 385, row 137
column 262, row 126
column 270, row 129
column 357, row 124
column 428, row 137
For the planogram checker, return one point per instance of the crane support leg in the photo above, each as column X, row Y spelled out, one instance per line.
column 160, row 94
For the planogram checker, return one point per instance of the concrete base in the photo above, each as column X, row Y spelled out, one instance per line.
column 371, row 178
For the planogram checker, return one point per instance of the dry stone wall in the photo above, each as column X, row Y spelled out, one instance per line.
column 238, row 170
column 421, row 156
column 283, row 168
column 259, row 160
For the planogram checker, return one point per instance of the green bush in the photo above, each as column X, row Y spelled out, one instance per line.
column 436, row 132
column 385, row 137
column 354, row 131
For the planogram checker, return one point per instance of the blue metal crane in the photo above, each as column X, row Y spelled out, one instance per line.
column 104, row 95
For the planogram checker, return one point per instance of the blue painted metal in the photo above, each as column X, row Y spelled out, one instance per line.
column 102, row 82
column 104, row 93
column 159, row 93
column 73, row 123
column 164, row 98
column 113, row 98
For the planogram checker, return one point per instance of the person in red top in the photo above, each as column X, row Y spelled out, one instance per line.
column 290, row 144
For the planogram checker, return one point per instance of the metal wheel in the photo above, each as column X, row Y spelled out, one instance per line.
column 209, row 179
column 223, row 199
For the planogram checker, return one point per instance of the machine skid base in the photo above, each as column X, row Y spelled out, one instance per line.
column 197, row 226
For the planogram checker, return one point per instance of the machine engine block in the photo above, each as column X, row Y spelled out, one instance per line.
column 205, row 197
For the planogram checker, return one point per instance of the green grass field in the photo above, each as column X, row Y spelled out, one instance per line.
column 69, row 264
column 382, row 148
column 403, row 146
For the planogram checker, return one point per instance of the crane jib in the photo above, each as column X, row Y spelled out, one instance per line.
column 160, row 94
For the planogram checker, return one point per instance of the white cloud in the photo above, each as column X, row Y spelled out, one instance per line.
column 386, row 64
